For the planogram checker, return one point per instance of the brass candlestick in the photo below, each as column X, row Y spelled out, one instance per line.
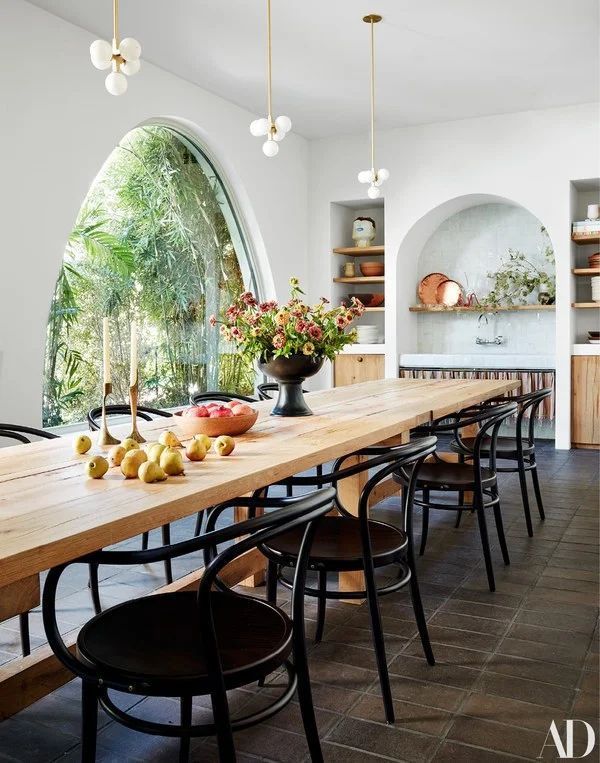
column 133, row 401
column 106, row 438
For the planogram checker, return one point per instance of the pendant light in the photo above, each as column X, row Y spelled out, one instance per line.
column 123, row 57
column 373, row 176
column 274, row 129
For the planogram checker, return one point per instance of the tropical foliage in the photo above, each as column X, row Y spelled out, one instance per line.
column 153, row 243
column 264, row 330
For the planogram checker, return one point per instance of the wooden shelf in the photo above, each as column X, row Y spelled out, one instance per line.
column 374, row 309
column 585, row 304
column 586, row 271
column 359, row 251
column 583, row 240
column 476, row 308
column 360, row 279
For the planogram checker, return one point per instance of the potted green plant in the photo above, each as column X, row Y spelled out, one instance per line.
column 289, row 342
column 518, row 277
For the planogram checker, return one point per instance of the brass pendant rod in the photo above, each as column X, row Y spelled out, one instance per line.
column 116, row 23
column 269, row 67
column 372, row 97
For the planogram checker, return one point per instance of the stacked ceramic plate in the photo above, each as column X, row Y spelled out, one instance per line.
column 596, row 289
column 367, row 334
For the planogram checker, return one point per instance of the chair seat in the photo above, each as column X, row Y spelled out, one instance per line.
column 448, row 476
column 154, row 642
column 506, row 447
column 337, row 543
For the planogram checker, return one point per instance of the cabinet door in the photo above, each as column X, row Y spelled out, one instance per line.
column 585, row 392
column 352, row 369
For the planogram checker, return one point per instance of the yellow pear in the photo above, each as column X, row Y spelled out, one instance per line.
column 132, row 462
column 195, row 450
column 130, row 444
column 116, row 454
column 81, row 443
column 96, row 467
column 205, row 439
column 149, row 471
column 154, row 451
column 171, row 461
column 224, row 445
column 169, row 439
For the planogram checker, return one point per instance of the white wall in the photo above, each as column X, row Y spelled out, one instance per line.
column 58, row 126
column 436, row 170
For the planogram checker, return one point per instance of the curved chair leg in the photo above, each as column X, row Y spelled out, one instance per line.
column 89, row 721
column 415, row 595
column 523, row 483
column 145, row 538
column 500, row 530
column 425, row 524
column 271, row 582
column 186, row 722
column 222, row 721
column 538, row 492
column 166, row 539
column 461, row 500
column 485, row 542
column 321, row 606
column 95, row 588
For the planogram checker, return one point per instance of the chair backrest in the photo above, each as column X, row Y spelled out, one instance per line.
column 143, row 412
column 489, row 419
column 528, row 403
column 24, row 434
column 289, row 513
column 204, row 397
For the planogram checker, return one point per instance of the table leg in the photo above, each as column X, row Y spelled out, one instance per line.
column 349, row 491
column 257, row 578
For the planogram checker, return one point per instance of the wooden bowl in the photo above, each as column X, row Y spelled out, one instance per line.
column 232, row 425
column 372, row 268
column 368, row 300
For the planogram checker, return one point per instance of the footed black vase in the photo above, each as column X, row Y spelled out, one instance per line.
column 290, row 373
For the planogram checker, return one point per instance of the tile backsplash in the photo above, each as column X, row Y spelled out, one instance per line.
column 466, row 247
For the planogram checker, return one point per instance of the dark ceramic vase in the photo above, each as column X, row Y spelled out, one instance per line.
column 290, row 373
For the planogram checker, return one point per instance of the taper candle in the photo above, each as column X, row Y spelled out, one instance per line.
column 106, row 350
column 133, row 357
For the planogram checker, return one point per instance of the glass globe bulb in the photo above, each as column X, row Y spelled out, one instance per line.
column 130, row 49
column 364, row 176
column 383, row 175
column 101, row 54
column 283, row 124
column 131, row 67
column 259, row 127
column 373, row 192
column 116, row 83
column 270, row 148
column 278, row 135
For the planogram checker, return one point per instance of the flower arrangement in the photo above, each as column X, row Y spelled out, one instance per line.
column 265, row 330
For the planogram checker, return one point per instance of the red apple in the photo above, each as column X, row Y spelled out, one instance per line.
column 242, row 410
column 199, row 411
column 221, row 413
column 231, row 404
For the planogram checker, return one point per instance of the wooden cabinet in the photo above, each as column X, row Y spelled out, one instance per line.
column 585, row 407
column 352, row 369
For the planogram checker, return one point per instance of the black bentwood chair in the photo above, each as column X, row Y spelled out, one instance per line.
column 520, row 448
column 356, row 543
column 473, row 477
column 187, row 644
column 23, row 435
column 94, row 419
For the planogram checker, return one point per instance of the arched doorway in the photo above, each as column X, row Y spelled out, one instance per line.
column 157, row 240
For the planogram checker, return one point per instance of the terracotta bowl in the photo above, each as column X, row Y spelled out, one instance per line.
column 368, row 300
column 233, row 425
column 371, row 268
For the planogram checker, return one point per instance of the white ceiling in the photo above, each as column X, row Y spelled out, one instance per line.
column 437, row 60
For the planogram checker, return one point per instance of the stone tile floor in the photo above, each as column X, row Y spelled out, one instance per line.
column 508, row 663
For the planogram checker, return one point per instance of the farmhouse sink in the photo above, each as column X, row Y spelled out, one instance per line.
column 476, row 360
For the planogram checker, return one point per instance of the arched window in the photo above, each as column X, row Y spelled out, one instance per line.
column 157, row 240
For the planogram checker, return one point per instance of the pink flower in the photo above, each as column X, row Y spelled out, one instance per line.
column 300, row 326
column 278, row 340
column 340, row 321
column 248, row 298
column 213, row 320
column 236, row 334
column 316, row 332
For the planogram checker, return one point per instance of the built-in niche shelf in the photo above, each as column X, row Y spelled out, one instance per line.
column 476, row 308
column 359, row 251
column 585, row 305
column 584, row 240
column 359, row 279
column 586, row 271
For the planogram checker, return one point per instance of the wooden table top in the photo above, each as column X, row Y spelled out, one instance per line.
column 50, row 513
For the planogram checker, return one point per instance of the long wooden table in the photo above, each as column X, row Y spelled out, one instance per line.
column 51, row 514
